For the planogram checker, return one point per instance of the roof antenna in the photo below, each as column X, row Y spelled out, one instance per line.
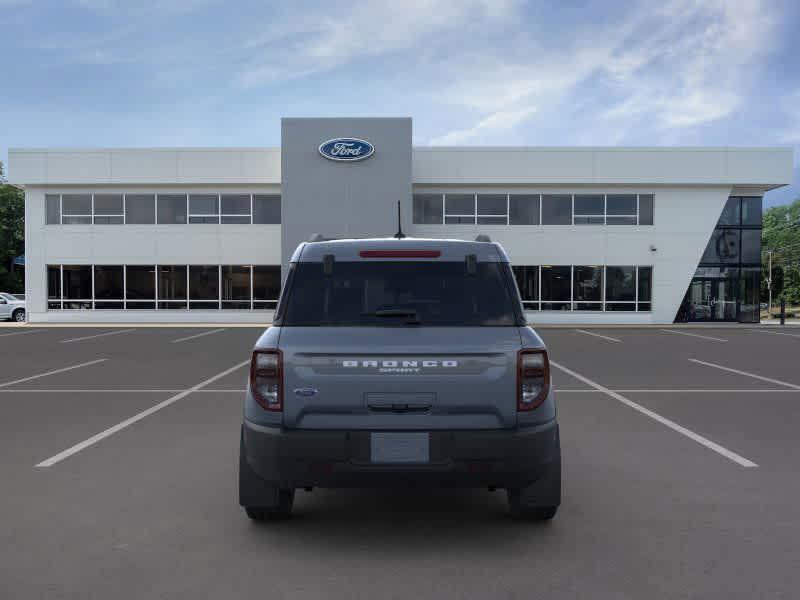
column 399, row 235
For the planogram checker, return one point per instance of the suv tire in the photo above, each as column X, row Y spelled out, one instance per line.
column 19, row 315
column 261, row 501
column 282, row 510
column 538, row 501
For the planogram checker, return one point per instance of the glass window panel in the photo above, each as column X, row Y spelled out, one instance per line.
column 235, row 305
column 108, row 282
column 108, row 220
column 264, row 305
column 611, row 220
column 582, row 220
column 106, row 305
column 556, row 306
column 646, row 209
column 491, row 220
column 203, row 204
column 236, row 204
column 235, row 220
column 492, row 204
column 164, row 305
column 621, row 204
column 172, row 282
column 589, row 204
column 588, row 306
column 140, row 305
column 76, row 204
column 140, row 209
column 54, row 306
column 140, row 282
column 71, row 220
column 620, row 284
column 751, row 245
column 527, row 281
column 267, row 209
column 77, row 282
column 204, row 220
column 53, row 209
column 723, row 247
column 194, row 305
column 523, row 209
column 54, row 282
column 459, row 204
column 266, row 282
column 644, row 307
column 750, row 295
column 203, row 282
column 588, row 283
column 731, row 213
column 78, row 305
column 645, row 284
column 108, row 204
column 171, row 209
column 556, row 210
column 236, row 283
column 751, row 211
column 620, row 307
column 459, row 220
column 556, row 283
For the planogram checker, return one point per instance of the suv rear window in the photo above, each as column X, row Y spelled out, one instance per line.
column 399, row 293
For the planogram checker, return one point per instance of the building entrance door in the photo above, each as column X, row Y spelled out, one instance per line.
column 712, row 300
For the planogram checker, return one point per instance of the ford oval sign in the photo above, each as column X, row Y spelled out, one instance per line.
column 344, row 149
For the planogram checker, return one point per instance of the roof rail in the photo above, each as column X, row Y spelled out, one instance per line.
column 482, row 237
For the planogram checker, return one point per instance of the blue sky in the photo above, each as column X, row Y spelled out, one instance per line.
column 470, row 72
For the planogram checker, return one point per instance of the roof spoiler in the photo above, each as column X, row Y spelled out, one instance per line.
column 482, row 237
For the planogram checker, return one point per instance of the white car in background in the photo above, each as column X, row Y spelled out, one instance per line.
column 12, row 308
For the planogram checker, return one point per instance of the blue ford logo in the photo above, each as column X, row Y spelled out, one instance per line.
column 346, row 149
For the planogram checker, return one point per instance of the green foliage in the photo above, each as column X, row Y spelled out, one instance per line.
column 12, row 235
column 781, row 234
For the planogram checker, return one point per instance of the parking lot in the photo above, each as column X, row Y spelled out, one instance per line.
column 118, row 463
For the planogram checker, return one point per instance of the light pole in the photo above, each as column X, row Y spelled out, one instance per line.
column 769, row 286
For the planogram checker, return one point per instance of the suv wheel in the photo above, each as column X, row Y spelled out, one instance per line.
column 19, row 315
column 282, row 510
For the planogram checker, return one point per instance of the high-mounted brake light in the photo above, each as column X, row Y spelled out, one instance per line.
column 266, row 378
column 533, row 378
column 400, row 253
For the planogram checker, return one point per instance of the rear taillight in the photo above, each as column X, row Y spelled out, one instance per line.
column 266, row 378
column 533, row 378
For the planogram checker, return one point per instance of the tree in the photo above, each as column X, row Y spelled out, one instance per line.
column 12, row 235
column 781, row 235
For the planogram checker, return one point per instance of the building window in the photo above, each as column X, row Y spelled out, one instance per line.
column 76, row 209
column 136, row 287
column 723, row 247
column 621, row 288
column 428, row 209
column 523, row 209
column 751, row 211
column 589, row 209
column 204, row 208
column 556, row 288
column 172, row 285
column 459, row 209
column 556, row 210
column 53, row 209
column 236, row 290
column 266, row 209
column 621, row 209
column 171, row 209
column 587, row 288
column 646, row 209
column 235, row 209
column 528, row 283
column 109, row 209
column 492, row 209
column 140, row 209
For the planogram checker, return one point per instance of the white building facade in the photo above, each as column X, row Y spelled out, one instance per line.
column 596, row 235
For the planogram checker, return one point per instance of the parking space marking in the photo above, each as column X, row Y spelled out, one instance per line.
column 191, row 337
column 22, row 332
column 746, row 374
column 730, row 455
column 49, row 462
column 123, row 391
column 54, row 372
column 605, row 337
column 91, row 337
column 697, row 335
column 775, row 332
column 680, row 391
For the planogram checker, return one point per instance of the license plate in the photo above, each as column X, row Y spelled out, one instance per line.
column 399, row 447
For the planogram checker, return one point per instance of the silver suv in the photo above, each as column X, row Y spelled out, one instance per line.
column 12, row 308
column 397, row 362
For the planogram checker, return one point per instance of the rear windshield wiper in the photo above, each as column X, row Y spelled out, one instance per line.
column 411, row 313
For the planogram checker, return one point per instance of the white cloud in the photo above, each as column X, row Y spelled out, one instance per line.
column 496, row 122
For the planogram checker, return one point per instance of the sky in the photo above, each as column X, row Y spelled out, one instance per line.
column 107, row 73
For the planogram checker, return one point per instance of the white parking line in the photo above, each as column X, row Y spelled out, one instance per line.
column 775, row 332
column 91, row 337
column 191, row 337
column 49, row 462
column 746, row 374
column 605, row 337
column 54, row 372
column 22, row 332
column 738, row 459
column 117, row 391
column 677, row 391
column 697, row 335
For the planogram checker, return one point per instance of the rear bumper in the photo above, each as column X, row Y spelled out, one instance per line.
column 321, row 458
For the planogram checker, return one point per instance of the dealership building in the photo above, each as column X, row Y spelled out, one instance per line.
column 595, row 235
